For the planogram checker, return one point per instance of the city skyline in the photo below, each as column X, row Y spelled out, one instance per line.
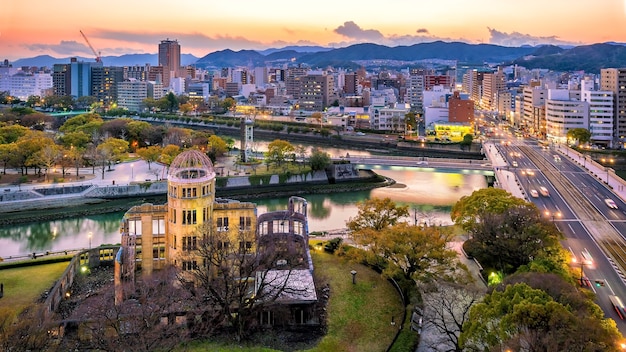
column 204, row 27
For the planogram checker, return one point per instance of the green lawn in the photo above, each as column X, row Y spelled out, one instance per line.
column 23, row 286
column 359, row 316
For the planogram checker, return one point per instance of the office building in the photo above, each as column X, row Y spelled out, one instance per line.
column 104, row 82
column 614, row 80
column 169, row 59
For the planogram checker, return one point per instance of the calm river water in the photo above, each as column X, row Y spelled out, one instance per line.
column 429, row 194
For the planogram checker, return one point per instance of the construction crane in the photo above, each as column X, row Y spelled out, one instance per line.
column 97, row 54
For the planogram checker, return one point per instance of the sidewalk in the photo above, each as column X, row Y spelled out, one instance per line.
column 505, row 179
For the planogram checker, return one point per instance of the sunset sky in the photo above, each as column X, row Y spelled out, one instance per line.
column 116, row 27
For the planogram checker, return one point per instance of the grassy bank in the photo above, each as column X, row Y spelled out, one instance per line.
column 24, row 286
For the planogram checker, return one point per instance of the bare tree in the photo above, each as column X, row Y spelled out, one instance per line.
column 27, row 332
column 235, row 279
column 446, row 309
column 151, row 316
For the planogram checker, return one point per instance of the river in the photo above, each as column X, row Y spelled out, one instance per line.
column 430, row 196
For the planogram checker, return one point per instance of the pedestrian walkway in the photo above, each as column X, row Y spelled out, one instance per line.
column 505, row 179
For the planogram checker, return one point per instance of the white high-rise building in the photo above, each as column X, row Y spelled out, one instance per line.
column 600, row 104
column 564, row 114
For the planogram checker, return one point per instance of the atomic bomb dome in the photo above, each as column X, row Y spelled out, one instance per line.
column 191, row 166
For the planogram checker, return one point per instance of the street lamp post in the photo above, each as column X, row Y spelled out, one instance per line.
column 353, row 272
column 132, row 172
column 89, row 236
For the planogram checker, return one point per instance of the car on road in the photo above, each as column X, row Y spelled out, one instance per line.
column 422, row 162
column 360, row 134
column 544, row 191
column 514, row 163
column 585, row 282
column 587, row 258
column 534, row 193
column 610, row 203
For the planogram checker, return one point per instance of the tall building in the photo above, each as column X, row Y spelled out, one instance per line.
column 104, row 82
column 169, row 58
column 350, row 86
column 532, row 117
column 80, row 77
column 600, row 104
column 292, row 80
column 460, row 110
column 564, row 114
column 131, row 94
column 415, row 91
column 316, row 91
column 614, row 80
column 492, row 84
column 61, row 82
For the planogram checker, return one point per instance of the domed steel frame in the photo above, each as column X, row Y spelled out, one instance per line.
column 191, row 166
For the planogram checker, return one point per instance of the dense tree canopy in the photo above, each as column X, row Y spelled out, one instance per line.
column 319, row 160
column 467, row 212
column 523, row 317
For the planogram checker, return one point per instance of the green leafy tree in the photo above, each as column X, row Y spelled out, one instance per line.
column 228, row 104
column 414, row 253
column 11, row 133
column 521, row 317
column 582, row 135
column 78, row 139
column 410, row 120
column 83, row 122
column 514, row 238
column 377, row 214
column 467, row 141
column 172, row 102
column 469, row 209
column 217, row 145
column 109, row 151
column 278, row 151
column 169, row 152
column 7, row 154
column 319, row 160
column 150, row 154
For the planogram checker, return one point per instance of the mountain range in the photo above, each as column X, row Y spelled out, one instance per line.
column 590, row 58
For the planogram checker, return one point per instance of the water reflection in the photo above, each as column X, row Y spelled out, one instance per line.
column 428, row 194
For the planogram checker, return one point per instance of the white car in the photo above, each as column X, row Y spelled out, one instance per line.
column 514, row 163
column 360, row 134
column 534, row 193
column 610, row 203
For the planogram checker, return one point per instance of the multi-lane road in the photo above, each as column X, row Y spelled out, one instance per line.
column 591, row 217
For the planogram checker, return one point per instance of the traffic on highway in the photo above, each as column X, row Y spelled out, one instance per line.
column 591, row 216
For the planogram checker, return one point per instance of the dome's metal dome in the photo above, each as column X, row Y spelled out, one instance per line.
column 191, row 166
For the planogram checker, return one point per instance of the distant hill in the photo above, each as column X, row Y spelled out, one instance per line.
column 123, row 60
column 590, row 58
column 296, row 48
